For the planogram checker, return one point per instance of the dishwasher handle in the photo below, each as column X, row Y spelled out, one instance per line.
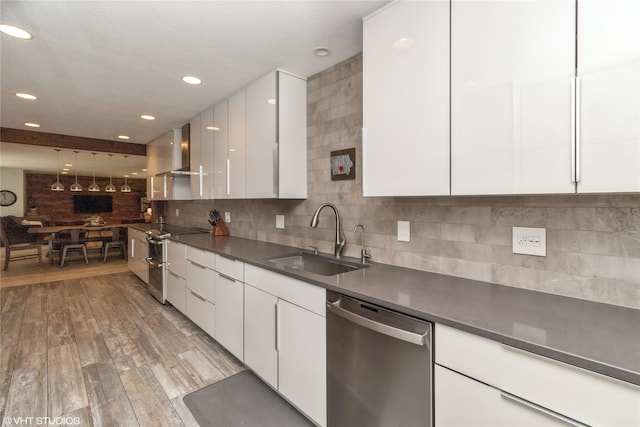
column 391, row 331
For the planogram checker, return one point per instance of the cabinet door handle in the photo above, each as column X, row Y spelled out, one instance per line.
column 203, row 299
column 537, row 408
column 277, row 325
column 226, row 277
column 228, row 177
column 197, row 265
column 173, row 274
column 578, row 124
column 201, row 181
column 133, row 248
column 573, row 130
column 275, row 170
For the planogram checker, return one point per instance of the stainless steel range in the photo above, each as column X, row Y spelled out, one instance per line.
column 157, row 258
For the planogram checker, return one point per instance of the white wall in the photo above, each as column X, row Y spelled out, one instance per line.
column 13, row 179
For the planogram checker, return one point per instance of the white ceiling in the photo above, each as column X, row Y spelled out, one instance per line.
column 96, row 66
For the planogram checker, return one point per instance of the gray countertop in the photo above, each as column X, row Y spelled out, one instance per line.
column 599, row 337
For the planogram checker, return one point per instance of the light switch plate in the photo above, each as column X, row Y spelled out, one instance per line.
column 280, row 221
column 530, row 241
column 177, row 212
column 227, row 217
column 404, row 231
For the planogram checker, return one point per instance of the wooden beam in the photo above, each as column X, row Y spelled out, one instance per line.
column 19, row 136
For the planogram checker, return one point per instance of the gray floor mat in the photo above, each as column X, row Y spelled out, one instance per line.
column 242, row 400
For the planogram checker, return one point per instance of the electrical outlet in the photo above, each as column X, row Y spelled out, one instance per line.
column 530, row 241
column 177, row 212
column 280, row 221
column 404, row 231
column 227, row 217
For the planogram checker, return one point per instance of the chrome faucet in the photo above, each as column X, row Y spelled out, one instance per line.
column 341, row 240
column 364, row 253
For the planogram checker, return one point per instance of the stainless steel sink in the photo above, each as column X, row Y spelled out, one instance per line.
column 317, row 264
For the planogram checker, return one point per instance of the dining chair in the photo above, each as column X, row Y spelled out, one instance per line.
column 77, row 243
column 118, row 239
column 14, row 238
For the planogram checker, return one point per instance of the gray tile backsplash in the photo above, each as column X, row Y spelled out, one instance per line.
column 593, row 241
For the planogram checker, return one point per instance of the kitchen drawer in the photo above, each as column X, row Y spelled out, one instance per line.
column 200, row 311
column 484, row 406
column 201, row 280
column 230, row 267
column 583, row 395
column 176, row 288
column 176, row 258
column 201, row 257
column 295, row 291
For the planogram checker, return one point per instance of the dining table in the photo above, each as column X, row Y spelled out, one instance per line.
column 95, row 233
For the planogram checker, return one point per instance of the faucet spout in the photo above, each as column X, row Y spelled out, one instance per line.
column 341, row 240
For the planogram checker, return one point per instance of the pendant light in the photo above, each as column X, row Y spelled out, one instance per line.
column 125, row 188
column 57, row 186
column 110, row 188
column 75, row 186
column 94, row 187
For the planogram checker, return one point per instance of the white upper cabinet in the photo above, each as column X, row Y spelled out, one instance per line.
column 236, row 166
column 512, row 70
column 201, row 155
column 276, row 137
column 406, row 100
column 261, row 137
column 609, row 95
column 220, row 149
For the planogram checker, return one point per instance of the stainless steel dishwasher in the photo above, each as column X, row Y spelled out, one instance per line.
column 379, row 366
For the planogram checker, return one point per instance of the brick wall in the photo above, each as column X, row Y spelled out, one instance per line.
column 59, row 205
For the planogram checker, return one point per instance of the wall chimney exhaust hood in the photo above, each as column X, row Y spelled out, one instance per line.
column 180, row 154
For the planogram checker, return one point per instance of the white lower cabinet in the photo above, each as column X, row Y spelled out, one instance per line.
column 302, row 359
column 200, row 311
column 500, row 385
column 483, row 405
column 200, row 286
column 285, row 338
column 176, row 274
column 260, row 352
column 138, row 253
column 176, row 288
column 229, row 312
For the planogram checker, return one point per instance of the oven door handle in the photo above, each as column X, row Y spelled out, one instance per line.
column 153, row 241
column 153, row 263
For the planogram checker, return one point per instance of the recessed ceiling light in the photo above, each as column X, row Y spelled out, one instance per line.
column 123, row 137
column 68, row 165
column 16, row 32
column 321, row 51
column 147, row 117
column 271, row 101
column 134, row 173
column 26, row 96
column 212, row 128
column 192, row 80
column 32, row 125
column 66, row 169
column 64, row 173
column 403, row 43
column 144, row 170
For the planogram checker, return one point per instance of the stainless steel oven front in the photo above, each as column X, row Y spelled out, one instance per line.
column 157, row 261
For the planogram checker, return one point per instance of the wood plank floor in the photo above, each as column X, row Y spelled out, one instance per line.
column 101, row 349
